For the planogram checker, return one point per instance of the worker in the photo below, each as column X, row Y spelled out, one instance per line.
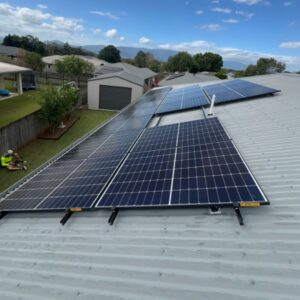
column 7, row 158
column 12, row 161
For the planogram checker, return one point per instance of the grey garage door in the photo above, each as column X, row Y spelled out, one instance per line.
column 114, row 97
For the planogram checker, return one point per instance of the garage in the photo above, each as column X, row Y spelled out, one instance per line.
column 114, row 97
column 114, row 91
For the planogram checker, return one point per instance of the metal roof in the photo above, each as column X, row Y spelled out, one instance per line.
column 94, row 60
column 177, row 254
column 10, row 51
column 6, row 68
column 187, row 78
column 143, row 73
column 123, row 75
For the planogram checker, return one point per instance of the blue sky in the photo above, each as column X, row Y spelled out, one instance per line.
column 240, row 30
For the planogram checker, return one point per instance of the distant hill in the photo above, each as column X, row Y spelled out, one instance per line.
column 234, row 65
column 130, row 52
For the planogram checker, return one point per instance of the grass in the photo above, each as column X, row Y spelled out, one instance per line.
column 15, row 108
column 39, row 151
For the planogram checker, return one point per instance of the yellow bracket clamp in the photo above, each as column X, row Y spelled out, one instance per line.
column 75, row 209
column 249, row 204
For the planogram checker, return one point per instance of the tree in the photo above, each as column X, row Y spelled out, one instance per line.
column 251, row 70
column 155, row 66
column 199, row 60
column 269, row 66
column 110, row 54
column 52, row 109
column 29, row 43
column 212, row 62
column 221, row 74
column 58, row 104
column 74, row 66
column 180, row 62
column 140, row 59
column 34, row 61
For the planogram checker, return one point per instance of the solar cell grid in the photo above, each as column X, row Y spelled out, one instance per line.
column 197, row 161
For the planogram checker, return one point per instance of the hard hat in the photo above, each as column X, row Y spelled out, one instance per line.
column 10, row 151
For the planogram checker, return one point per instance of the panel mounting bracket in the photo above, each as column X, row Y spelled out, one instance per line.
column 238, row 214
column 68, row 214
column 113, row 215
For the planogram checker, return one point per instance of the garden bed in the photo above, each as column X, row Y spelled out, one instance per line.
column 49, row 134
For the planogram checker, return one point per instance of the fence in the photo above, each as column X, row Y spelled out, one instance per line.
column 51, row 78
column 21, row 132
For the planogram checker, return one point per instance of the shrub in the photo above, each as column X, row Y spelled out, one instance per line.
column 221, row 75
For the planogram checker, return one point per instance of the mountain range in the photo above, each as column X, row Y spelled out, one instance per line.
column 159, row 54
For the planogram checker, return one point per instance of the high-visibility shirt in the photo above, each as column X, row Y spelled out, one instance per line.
column 5, row 160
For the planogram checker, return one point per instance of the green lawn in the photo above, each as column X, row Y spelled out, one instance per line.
column 39, row 151
column 18, row 107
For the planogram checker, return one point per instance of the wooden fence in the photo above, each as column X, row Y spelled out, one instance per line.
column 20, row 132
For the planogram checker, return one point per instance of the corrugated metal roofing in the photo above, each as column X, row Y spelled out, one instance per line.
column 177, row 254
column 188, row 78
column 123, row 75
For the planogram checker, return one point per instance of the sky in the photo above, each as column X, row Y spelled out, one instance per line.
column 239, row 30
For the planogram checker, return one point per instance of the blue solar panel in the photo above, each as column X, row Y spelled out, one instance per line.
column 183, row 98
column 192, row 163
column 233, row 90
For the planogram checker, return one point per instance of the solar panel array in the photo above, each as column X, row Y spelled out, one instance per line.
column 236, row 90
column 182, row 99
column 77, row 177
column 192, row 163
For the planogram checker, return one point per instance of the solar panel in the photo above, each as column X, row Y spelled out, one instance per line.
column 182, row 99
column 76, row 178
column 237, row 90
column 192, row 163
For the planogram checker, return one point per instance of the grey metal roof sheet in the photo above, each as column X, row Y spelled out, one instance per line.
column 8, row 50
column 187, row 78
column 143, row 73
column 177, row 254
column 123, row 75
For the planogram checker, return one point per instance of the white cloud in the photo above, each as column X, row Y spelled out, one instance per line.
column 199, row 12
column 42, row 6
column 96, row 30
column 112, row 33
column 144, row 40
column 240, row 55
column 290, row 45
column 122, row 38
column 212, row 27
column 232, row 21
column 248, row 2
column 215, row 2
column 248, row 16
column 24, row 20
column 105, row 14
column 221, row 10
column 287, row 3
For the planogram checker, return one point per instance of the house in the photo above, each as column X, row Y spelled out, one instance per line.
column 49, row 61
column 117, row 85
column 180, row 78
column 179, row 253
column 13, row 54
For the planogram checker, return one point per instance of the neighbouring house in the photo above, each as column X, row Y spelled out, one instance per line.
column 50, row 61
column 13, row 54
column 8, row 69
column 187, row 78
column 117, row 85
